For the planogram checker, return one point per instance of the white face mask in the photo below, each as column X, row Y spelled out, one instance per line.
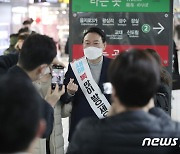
column 93, row 53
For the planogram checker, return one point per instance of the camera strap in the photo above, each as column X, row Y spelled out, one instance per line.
column 89, row 87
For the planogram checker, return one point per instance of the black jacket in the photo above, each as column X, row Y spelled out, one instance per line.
column 7, row 61
column 47, row 110
column 81, row 108
column 124, row 134
column 162, row 98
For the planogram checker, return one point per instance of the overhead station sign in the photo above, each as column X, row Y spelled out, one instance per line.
column 127, row 24
column 120, row 5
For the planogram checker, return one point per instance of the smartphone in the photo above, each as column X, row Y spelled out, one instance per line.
column 57, row 76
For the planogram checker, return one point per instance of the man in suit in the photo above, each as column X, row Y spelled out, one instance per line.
column 94, row 43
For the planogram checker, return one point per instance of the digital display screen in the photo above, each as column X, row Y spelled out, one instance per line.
column 58, row 76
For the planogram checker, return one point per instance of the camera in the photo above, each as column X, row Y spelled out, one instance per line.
column 57, row 76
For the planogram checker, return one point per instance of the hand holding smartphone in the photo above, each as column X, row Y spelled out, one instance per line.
column 57, row 76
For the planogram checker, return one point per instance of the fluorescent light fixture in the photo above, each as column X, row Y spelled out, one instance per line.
column 63, row 5
column 19, row 9
column 52, row 1
column 5, row 1
column 31, row 1
column 46, row 4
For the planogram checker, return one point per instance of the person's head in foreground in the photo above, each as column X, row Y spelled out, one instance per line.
column 37, row 53
column 134, row 125
column 134, row 75
column 20, row 117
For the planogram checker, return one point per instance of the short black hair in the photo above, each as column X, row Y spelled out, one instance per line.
column 20, row 107
column 14, row 35
column 23, row 30
column 37, row 50
column 96, row 30
column 28, row 22
column 135, row 76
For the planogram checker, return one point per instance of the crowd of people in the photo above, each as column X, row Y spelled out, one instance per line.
column 138, row 107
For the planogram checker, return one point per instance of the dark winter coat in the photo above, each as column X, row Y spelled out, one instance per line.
column 124, row 134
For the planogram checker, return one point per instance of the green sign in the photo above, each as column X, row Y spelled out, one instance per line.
column 120, row 5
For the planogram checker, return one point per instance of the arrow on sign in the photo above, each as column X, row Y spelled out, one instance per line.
column 161, row 28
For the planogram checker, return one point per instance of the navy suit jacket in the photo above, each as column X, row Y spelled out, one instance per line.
column 81, row 108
